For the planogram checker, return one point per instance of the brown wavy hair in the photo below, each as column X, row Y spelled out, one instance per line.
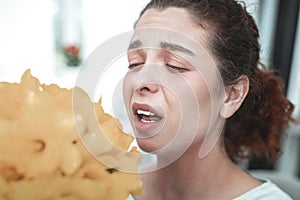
column 256, row 128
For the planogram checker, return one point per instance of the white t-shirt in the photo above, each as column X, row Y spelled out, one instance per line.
column 266, row 191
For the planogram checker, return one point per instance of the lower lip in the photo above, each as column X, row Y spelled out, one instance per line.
column 146, row 127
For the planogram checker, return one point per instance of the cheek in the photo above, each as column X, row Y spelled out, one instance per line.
column 127, row 95
column 204, row 101
column 127, row 89
column 205, row 107
column 201, row 91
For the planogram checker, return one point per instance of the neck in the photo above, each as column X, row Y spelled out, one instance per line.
column 190, row 177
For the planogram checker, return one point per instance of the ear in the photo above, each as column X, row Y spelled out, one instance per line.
column 234, row 96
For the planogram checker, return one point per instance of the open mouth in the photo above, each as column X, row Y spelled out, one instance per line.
column 146, row 114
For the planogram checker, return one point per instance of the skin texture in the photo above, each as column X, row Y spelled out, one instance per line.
column 188, row 177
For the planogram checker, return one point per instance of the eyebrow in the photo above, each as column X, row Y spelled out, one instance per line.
column 175, row 47
column 135, row 44
column 164, row 45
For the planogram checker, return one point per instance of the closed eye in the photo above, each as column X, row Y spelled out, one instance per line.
column 178, row 69
column 134, row 65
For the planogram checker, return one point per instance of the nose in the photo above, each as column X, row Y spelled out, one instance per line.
column 148, row 88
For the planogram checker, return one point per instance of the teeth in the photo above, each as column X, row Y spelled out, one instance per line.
column 143, row 112
column 147, row 121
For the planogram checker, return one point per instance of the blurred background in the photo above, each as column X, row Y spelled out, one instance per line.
column 54, row 37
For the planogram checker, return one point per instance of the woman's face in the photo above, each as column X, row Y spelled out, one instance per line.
column 172, row 88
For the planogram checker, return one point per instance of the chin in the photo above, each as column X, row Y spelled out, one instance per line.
column 148, row 145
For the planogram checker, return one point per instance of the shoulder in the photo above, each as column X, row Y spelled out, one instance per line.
column 266, row 191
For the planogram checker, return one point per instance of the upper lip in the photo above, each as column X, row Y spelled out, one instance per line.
column 146, row 108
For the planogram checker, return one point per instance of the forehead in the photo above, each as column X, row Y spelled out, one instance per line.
column 170, row 17
column 175, row 19
column 173, row 25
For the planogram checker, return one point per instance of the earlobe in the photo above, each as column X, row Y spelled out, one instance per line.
column 234, row 96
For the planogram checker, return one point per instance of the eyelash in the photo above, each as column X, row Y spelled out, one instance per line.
column 134, row 65
column 179, row 69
